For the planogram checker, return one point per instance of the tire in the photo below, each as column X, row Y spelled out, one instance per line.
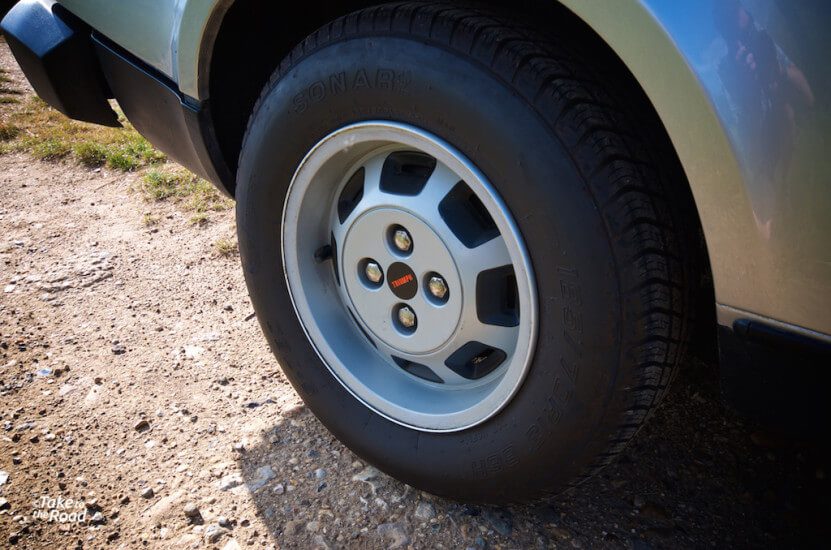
column 591, row 204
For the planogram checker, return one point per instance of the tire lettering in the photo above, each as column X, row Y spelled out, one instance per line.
column 341, row 82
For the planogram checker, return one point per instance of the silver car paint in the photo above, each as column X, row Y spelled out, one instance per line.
column 755, row 149
column 751, row 132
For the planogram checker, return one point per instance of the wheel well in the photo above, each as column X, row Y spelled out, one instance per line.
column 255, row 36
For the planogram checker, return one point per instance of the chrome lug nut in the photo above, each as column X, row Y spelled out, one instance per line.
column 373, row 272
column 438, row 287
column 406, row 317
column 402, row 240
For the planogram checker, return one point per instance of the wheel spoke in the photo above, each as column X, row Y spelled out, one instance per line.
column 449, row 376
column 495, row 336
column 486, row 256
column 439, row 184
column 426, row 203
column 372, row 178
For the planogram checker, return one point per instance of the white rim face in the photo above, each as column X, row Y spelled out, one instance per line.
column 409, row 276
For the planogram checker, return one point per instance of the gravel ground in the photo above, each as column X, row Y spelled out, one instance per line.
column 134, row 381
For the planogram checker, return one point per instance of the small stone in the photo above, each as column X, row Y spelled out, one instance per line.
column 320, row 473
column 147, row 492
column 232, row 544
column 98, row 519
column 293, row 410
column 394, row 534
column 224, row 522
column 279, row 489
column 125, row 500
column 4, row 504
column 192, row 512
column 264, row 475
column 500, row 520
column 142, row 425
column 229, row 482
column 293, row 527
column 192, row 352
column 425, row 511
column 213, row 533
column 4, row 477
column 369, row 475
column 118, row 349
column 561, row 533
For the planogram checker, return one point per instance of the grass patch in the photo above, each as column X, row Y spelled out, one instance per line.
column 180, row 186
column 90, row 154
column 121, row 161
column 150, row 220
column 50, row 149
column 8, row 131
column 48, row 134
column 9, row 100
column 225, row 248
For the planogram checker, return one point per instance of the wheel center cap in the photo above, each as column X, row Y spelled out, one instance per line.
column 402, row 280
column 406, row 276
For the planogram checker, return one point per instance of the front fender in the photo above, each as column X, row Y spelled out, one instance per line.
column 758, row 174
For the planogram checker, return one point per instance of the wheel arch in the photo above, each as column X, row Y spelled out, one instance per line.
column 236, row 64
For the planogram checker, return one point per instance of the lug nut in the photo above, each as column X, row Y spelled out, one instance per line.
column 402, row 240
column 373, row 272
column 438, row 287
column 407, row 317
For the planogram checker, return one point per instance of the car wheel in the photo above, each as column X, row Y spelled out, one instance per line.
column 459, row 251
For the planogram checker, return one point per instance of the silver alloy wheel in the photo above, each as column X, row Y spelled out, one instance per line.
column 391, row 195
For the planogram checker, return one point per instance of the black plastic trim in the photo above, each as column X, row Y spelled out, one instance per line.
column 53, row 49
column 176, row 124
column 774, row 375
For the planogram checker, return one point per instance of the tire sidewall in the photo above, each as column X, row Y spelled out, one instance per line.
column 557, row 421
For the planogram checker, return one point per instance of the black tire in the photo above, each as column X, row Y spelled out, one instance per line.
column 590, row 201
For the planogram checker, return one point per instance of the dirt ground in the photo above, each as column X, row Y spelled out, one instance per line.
column 141, row 406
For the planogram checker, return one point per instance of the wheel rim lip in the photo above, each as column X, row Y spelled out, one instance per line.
column 410, row 137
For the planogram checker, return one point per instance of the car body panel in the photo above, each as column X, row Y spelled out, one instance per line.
column 172, row 36
column 756, row 156
column 756, row 159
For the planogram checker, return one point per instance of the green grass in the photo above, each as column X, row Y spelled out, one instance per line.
column 48, row 134
column 90, row 154
column 150, row 220
column 226, row 248
column 50, row 149
column 180, row 186
column 8, row 131
column 29, row 125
